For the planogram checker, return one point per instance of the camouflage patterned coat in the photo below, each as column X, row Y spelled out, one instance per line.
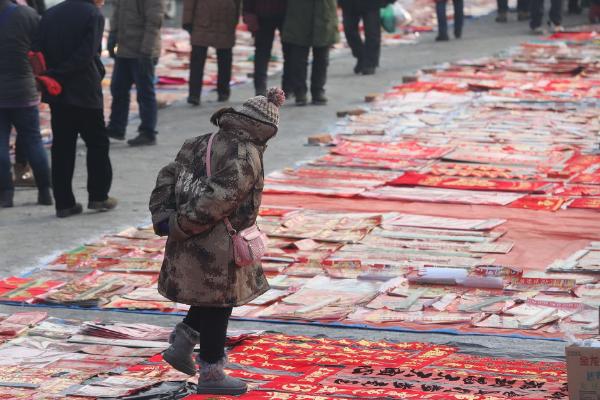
column 198, row 268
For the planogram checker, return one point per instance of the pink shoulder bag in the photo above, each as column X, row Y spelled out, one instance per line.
column 249, row 245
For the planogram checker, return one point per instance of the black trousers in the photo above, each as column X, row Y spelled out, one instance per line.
column 263, row 43
column 318, row 76
column 211, row 323
column 537, row 12
column 197, row 62
column 367, row 52
column 68, row 122
column 440, row 8
column 522, row 6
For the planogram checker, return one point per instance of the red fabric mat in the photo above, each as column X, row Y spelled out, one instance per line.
column 307, row 368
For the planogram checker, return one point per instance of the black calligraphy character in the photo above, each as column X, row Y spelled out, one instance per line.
column 557, row 395
column 449, row 377
column 363, row 370
column 531, row 385
column 469, row 380
column 431, row 388
column 458, row 390
column 511, row 394
column 346, row 382
column 403, row 385
column 421, row 374
column 503, row 382
column 375, row 383
column 390, row 371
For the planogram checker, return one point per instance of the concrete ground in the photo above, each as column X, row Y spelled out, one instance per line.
column 30, row 234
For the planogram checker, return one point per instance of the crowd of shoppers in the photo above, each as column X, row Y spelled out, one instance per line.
column 68, row 39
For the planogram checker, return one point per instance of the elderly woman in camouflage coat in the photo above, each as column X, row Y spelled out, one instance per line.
column 198, row 267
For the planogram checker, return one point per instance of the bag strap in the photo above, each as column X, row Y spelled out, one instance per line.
column 8, row 10
column 230, row 228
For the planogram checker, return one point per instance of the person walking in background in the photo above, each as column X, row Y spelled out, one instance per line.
column 537, row 15
column 210, row 23
column 19, row 101
column 310, row 24
column 523, row 7
column 263, row 18
column 70, row 37
column 367, row 52
column 459, row 16
column 135, row 33
column 23, row 173
column 198, row 211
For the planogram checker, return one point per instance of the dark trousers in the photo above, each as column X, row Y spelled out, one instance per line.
column 67, row 123
column 522, row 6
column 20, row 153
column 127, row 72
column 440, row 10
column 537, row 12
column 197, row 62
column 318, row 76
column 367, row 52
column 211, row 323
column 26, row 121
column 263, row 44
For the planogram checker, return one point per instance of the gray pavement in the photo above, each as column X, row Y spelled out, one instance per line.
column 30, row 234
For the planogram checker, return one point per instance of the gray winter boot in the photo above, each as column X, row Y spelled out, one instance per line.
column 183, row 339
column 213, row 380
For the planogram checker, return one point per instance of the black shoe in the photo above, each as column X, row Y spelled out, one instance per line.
column 44, row 197
column 260, row 92
column 105, row 205
column 358, row 68
column 368, row 71
column 301, row 100
column 194, row 101
column 319, row 100
column 223, row 97
column 457, row 34
column 442, row 38
column 142, row 140
column 6, row 198
column 115, row 135
column 501, row 18
column 67, row 212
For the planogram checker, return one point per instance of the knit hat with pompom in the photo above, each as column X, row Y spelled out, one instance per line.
column 264, row 109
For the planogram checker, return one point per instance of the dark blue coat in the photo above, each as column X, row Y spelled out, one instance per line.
column 70, row 37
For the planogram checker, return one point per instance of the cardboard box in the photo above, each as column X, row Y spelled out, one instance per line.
column 583, row 369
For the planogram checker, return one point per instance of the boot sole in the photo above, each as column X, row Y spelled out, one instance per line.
column 221, row 391
column 179, row 367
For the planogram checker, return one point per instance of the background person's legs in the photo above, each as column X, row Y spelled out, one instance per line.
column 64, row 146
column 459, row 17
column 372, row 47
column 318, row 77
column 6, row 182
column 537, row 14
column 263, row 45
column 197, row 61
column 146, row 98
column 27, row 123
column 351, row 23
column 99, row 169
column 299, row 72
column 440, row 12
column 224, row 65
column 120, row 87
